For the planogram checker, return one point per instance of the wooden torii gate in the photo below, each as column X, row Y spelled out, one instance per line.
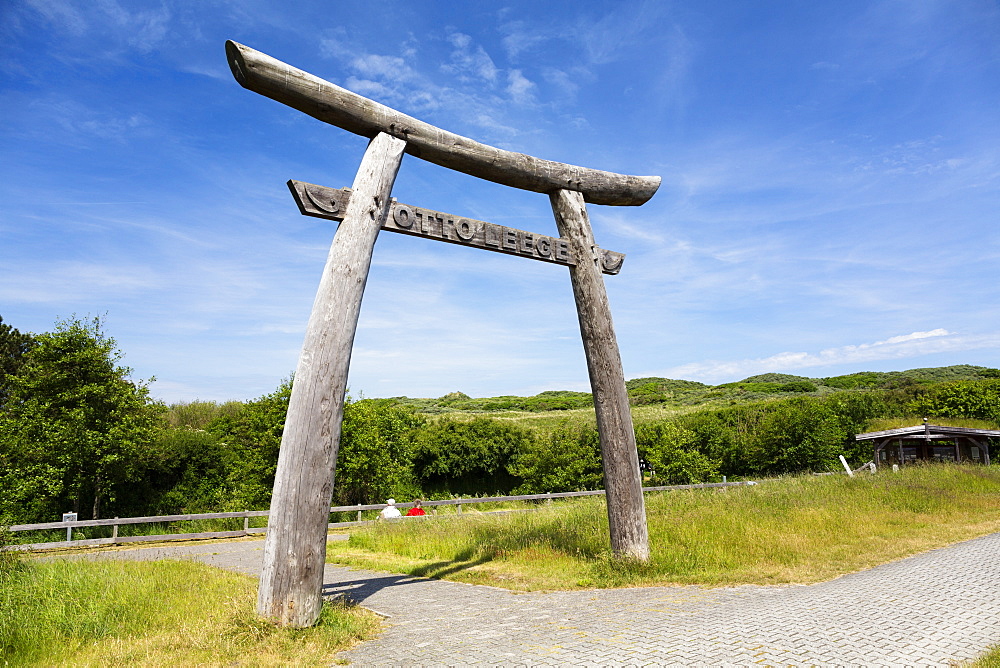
column 295, row 549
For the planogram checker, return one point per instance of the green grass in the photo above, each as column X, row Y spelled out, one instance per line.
column 98, row 613
column 791, row 530
column 551, row 420
column 883, row 424
column 989, row 660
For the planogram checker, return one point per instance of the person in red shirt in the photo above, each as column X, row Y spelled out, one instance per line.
column 416, row 510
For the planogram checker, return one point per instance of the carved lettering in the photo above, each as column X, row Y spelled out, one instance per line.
column 527, row 243
column 402, row 216
column 465, row 229
column 328, row 203
column 491, row 235
column 562, row 250
column 544, row 247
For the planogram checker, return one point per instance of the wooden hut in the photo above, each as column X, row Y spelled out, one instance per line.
column 930, row 442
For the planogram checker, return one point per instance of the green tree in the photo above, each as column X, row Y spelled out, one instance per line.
column 966, row 399
column 13, row 347
column 252, row 434
column 184, row 471
column 74, row 426
column 567, row 460
column 459, row 457
column 374, row 460
column 800, row 435
column 672, row 453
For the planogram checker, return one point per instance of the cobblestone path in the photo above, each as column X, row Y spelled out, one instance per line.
column 937, row 608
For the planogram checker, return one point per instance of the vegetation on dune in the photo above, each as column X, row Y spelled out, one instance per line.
column 77, row 433
column 795, row 529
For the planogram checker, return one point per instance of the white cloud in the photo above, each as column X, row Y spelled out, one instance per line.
column 520, row 89
column 141, row 29
column 82, row 123
column 394, row 82
column 468, row 61
column 903, row 346
column 60, row 13
column 63, row 282
column 519, row 38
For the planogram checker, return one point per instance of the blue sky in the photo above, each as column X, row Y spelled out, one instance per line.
column 830, row 196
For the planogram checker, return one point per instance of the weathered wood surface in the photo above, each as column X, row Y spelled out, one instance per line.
column 295, row 550
column 330, row 203
column 622, row 478
column 332, row 104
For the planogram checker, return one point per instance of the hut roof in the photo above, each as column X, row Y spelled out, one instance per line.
column 929, row 431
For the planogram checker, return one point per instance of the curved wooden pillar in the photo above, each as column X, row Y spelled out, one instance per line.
column 291, row 580
column 622, row 478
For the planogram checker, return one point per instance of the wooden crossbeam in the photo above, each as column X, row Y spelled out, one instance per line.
column 355, row 113
column 323, row 202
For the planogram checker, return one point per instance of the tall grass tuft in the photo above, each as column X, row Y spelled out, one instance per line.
column 96, row 613
column 795, row 529
column 990, row 659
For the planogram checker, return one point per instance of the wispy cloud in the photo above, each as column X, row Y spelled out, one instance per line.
column 118, row 26
column 903, row 346
column 472, row 90
column 520, row 89
column 470, row 61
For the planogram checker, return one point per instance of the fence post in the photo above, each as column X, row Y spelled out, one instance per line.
column 359, row 512
column 69, row 517
column 246, row 521
column 114, row 531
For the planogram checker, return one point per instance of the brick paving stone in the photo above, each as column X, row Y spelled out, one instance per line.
column 935, row 608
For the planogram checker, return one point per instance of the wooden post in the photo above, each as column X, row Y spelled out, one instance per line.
column 291, row 579
column 622, row 478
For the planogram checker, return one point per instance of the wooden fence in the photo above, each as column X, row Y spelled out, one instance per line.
column 247, row 530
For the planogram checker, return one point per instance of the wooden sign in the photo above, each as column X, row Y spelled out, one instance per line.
column 323, row 202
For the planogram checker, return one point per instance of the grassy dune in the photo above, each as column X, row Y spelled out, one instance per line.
column 168, row 613
column 791, row 530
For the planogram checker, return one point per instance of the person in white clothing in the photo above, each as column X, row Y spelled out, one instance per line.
column 390, row 510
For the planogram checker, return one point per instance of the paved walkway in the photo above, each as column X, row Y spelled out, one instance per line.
column 936, row 608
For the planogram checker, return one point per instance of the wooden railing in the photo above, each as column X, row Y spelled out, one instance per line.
column 247, row 530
